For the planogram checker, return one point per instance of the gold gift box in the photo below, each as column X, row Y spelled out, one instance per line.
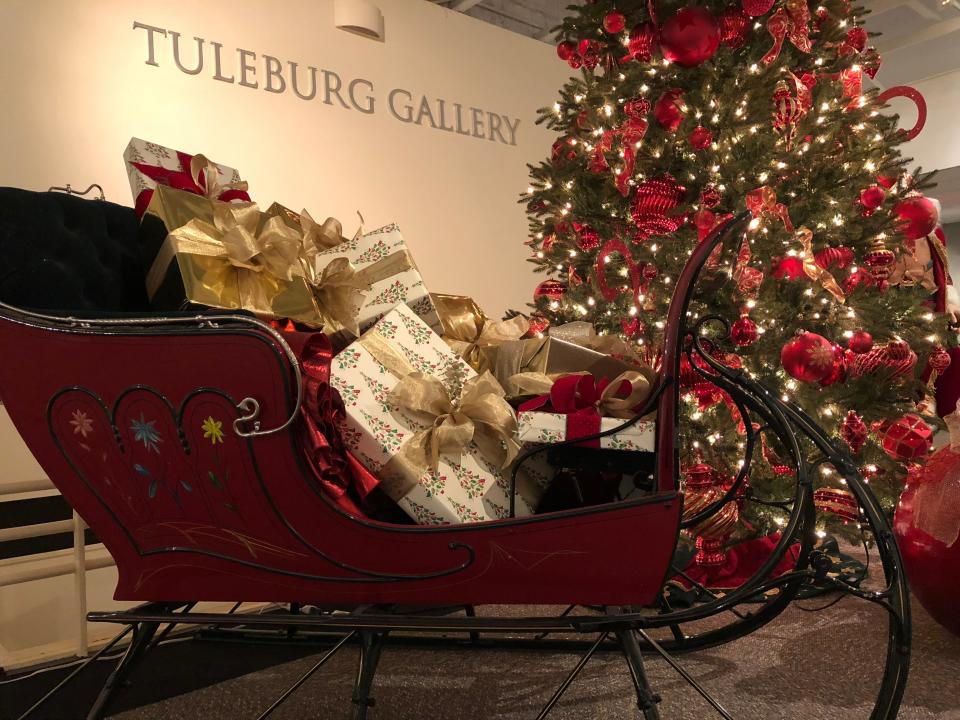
column 198, row 271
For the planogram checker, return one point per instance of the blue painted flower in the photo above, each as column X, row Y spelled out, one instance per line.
column 145, row 432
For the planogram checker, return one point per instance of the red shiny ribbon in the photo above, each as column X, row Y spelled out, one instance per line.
column 180, row 180
column 609, row 293
column 791, row 22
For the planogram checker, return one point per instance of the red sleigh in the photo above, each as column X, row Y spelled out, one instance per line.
column 176, row 439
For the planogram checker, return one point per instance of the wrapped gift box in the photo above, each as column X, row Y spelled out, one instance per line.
column 468, row 488
column 375, row 254
column 536, row 426
column 149, row 165
column 186, row 269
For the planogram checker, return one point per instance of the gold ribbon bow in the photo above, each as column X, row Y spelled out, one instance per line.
column 762, row 202
column 611, row 405
column 468, row 331
column 814, row 271
column 211, row 178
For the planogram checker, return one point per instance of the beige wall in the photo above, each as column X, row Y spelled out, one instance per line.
column 77, row 87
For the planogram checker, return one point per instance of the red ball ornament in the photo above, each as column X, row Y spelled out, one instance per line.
column 872, row 197
column 908, row 438
column 700, row 138
column 927, row 528
column 643, row 39
column 667, row 110
column 614, row 22
column 918, row 216
column 939, row 360
column 886, row 181
column 841, row 257
column 899, row 357
column 575, row 62
column 690, row 37
column 857, row 38
column 838, row 370
column 788, row 268
column 837, row 502
column 587, row 238
column 853, row 431
column 755, row 8
column 744, row 332
column 710, row 196
column 860, row 342
column 808, row 357
column 734, row 26
column 566, row 50
column 637, row 108
column 553, row 290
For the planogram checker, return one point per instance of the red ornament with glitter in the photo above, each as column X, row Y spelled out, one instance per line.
column 939, row 360
column 654, row 205
column 690, row 37
column 840, row 257
column 614, row 22
column 667, row 110
column 857, row 38
column 853, row 431
column 907, row 438
column 808, row 357
column 744, row 332
column 587, row 238
column 566, row 50
column 838, row 369
column 734, row 27
column 551, row 289
column 880, row 259
column 700, row 138
column 837, row 502
column 642, row 41
column 918, row 216
column 756, row 8
column 860, row 342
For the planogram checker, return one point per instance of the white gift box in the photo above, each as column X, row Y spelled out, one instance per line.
column 545, row 427
column 148, row 153
column 468, row 488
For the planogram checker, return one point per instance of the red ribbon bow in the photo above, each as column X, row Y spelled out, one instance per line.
column 182, row 179
column 791, row 22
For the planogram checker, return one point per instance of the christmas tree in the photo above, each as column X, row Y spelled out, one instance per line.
column 685, row 114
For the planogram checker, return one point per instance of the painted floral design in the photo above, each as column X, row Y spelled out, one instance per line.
column 423, row 307
column 420, row 364
column 348, row 393
column 472, row 482
column 212, row 430
column 82, row 424
column 425, row 516
column 377, row 251
column 389, row 437
column 380, row 392
column 348, row 359
column 466, row 514
column 419, row 333
column 145, row 431
column 387, row 329
column 433, row 483
column 395, row 292
column 500, row 511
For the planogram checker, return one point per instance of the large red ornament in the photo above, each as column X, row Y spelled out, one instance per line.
column 927, row 528
column 908, row 438
column 860, row 342
column 837, row 502
column 756, row 8
column 690, row 37
column 643, row 38
column 700, row 138
column 838, row 369
column 853, row 431
column 653, row 206
column 614, row 22
column 788, row 268
column 918, row 216
column 667, row 110
column 841, row 257
column 551, row 289
column 587, row 238
column 734, row 27
column 872, row 198
column 566, row 50
column 808, row 357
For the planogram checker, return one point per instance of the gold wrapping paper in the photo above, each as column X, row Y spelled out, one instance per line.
column 470, row 334
column 230, row 256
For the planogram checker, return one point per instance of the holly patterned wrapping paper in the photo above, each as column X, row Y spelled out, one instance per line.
column 547, row 427
column 468, row 488
column 158, row 161
column 404, row 287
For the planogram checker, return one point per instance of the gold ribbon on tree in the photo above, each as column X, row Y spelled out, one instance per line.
column 762, row 202
column 456, row 413
column 813, row 271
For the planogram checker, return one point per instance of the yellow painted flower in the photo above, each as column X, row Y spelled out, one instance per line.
column 212, row 430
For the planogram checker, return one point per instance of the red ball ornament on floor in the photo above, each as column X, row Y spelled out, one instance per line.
column 808, row 357
column 755, row 8
column 690, row 37
column 614, row 22
column 744, row 332
column 700, row 138
column 566, row 50
column 927, row 527
column 550, row 289
column 667, row 110
column 861, row 342
column 918, row 216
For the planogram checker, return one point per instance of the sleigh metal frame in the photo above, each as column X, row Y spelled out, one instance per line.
column 452, row 569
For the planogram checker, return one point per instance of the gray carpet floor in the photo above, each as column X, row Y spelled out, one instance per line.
column 804, row 665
